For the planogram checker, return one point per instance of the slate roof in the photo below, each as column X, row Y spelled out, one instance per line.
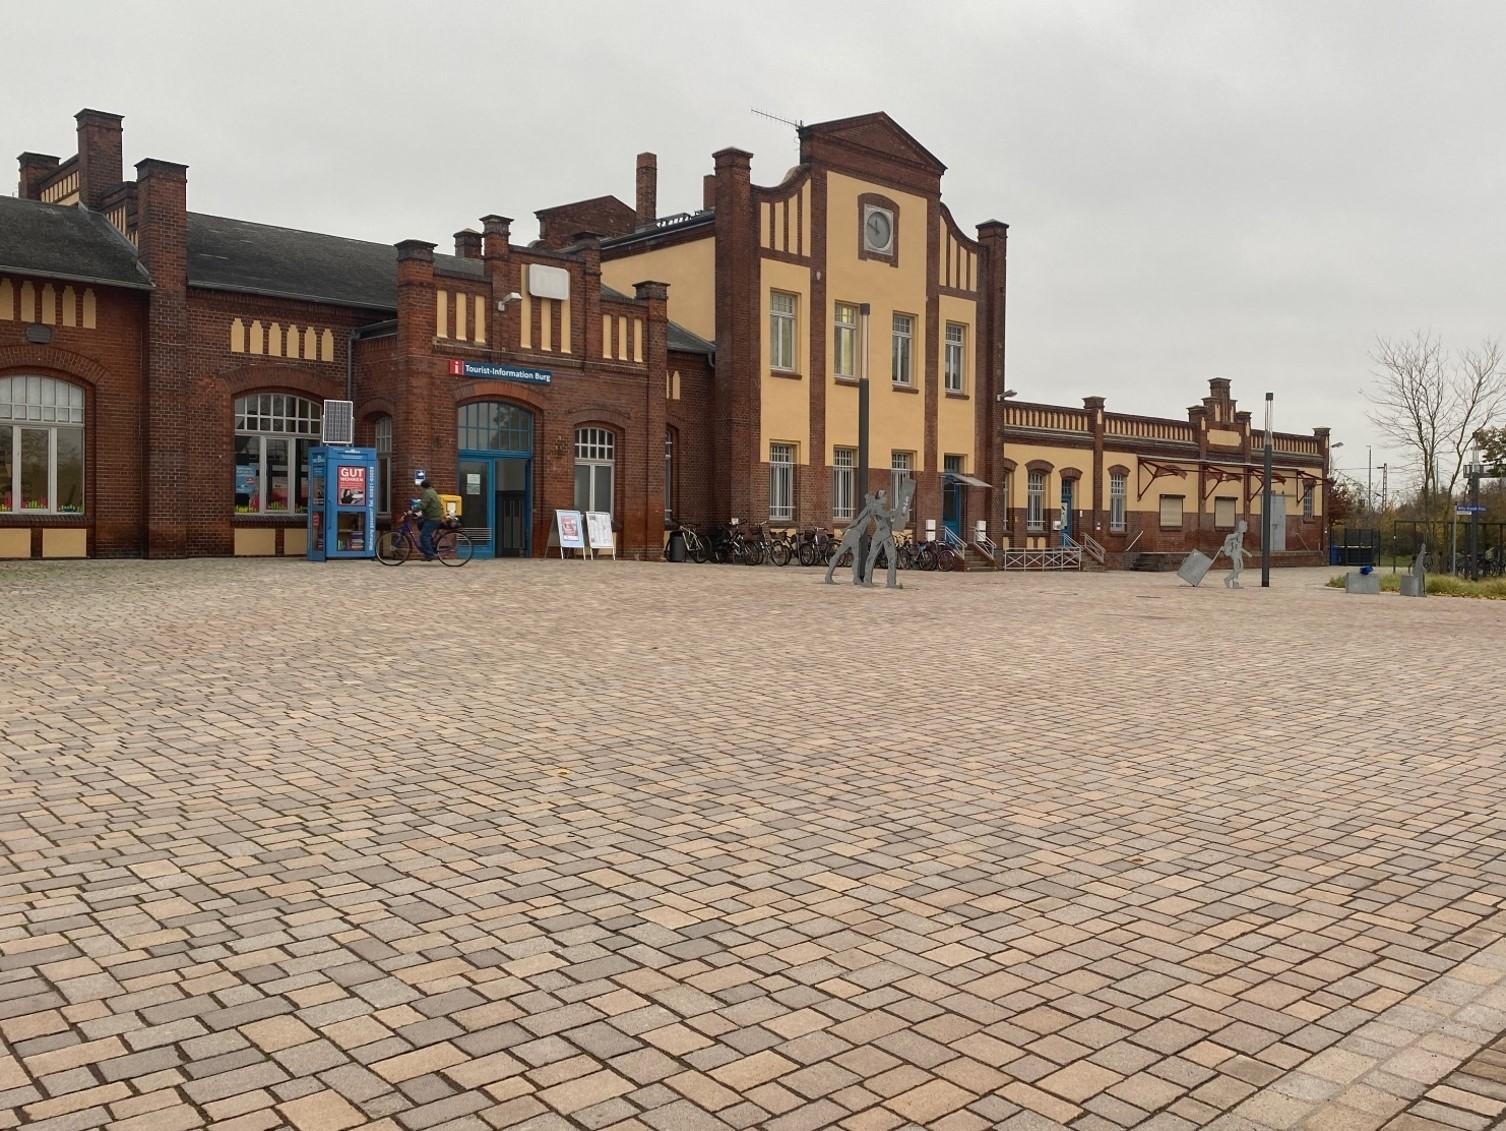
column 72, row 244
column 237, row 255
column 64, row 242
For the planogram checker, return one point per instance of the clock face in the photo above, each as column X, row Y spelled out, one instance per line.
column 878, row 230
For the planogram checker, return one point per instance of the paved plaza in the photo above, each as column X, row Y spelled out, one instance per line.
column 657, row 847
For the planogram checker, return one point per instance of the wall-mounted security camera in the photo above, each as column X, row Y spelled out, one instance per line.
column 507, row 298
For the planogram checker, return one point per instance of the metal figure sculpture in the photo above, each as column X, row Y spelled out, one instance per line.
column 852, row 537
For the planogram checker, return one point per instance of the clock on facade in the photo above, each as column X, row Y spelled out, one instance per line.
column 878, row 230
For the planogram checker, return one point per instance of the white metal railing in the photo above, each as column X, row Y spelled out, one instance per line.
column 1096, row 551
column 1052, row 558
column 986, row 546
column 952, row 539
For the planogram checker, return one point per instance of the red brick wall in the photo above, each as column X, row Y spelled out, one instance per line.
column 109, row 363
column 219, row 377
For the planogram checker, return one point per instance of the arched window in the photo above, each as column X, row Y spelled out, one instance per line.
column 595, row 462
column 273, row 434
column 1035, row 500
column 41, row 446
column 384, row 464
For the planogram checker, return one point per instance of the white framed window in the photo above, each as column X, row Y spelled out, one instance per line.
column 901, row 475
column 1006, row 488
column 595, row 468
column 41, row 446
column 669, row 473
column 844, row 462
column 1307, row 501
column 384, row 464
column 782, row 330
column 1035, row 501
column 955, row 366
column 781, row 482
column 1171, row 511
column 901, row 367
column 1223, row 513
column 844, row 340
column 1117, row 497
column 273, row 435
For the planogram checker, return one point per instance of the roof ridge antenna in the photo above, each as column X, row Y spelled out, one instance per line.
column 796, row 126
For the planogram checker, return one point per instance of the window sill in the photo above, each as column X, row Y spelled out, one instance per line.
column 262, row 518
column 898, row 388
column 786, row 374
column 841, row 380
column 952, row 395
column 33, row 517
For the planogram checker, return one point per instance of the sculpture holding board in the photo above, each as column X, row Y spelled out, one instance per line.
column 1197, row 564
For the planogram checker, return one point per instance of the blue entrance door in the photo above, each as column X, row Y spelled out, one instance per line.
column 495, row 462
column 1067, row 493
column 951, row 495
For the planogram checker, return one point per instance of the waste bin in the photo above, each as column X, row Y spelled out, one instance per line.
column 675, row 549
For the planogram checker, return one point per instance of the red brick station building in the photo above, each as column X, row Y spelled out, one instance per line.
column 162, row 371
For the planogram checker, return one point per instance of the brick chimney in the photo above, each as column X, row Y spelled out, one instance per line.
column 468, row 243
column 708, row 191
column 36, row 168
column 648, row 189
column 100, row 165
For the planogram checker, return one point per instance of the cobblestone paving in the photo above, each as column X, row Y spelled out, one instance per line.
column 665, row 848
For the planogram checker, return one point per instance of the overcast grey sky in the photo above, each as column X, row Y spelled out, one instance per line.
column 1195, row 188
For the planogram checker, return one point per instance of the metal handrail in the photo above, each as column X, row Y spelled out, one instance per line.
column 986, row 545
column 952, row 539
column 1090, row 544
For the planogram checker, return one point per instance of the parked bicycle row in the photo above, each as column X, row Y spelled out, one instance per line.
column 758, row 545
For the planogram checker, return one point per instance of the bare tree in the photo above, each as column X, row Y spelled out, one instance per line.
column 1433, row 405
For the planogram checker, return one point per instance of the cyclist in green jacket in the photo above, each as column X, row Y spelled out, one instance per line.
column 431, row 511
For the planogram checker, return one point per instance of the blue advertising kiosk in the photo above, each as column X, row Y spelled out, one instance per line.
column 342, row 502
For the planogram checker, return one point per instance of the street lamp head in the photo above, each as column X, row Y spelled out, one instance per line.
column 1336, row 447
column 1005, row 395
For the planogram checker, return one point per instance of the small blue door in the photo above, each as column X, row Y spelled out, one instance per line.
column 1067, row 486
column 951, row 495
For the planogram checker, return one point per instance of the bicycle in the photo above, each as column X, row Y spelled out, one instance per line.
column 813, row 545
column 782, row 548
column 452, row 546
column 697, row 547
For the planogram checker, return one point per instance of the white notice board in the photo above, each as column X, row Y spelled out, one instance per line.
column 599, row 527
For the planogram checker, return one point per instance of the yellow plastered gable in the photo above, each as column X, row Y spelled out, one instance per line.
column 690, row 271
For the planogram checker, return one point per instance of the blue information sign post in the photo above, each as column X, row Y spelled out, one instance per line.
column 342, row 503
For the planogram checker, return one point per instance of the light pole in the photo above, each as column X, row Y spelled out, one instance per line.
column 1265, row 502
column 1369, row 481
column 1008, row 485
column 1328, row 474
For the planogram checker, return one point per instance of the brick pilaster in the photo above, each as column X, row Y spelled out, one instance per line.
column 739, row 377
column 502, row 276
column 162, row 234
column 416, row 440
column 656, row 322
